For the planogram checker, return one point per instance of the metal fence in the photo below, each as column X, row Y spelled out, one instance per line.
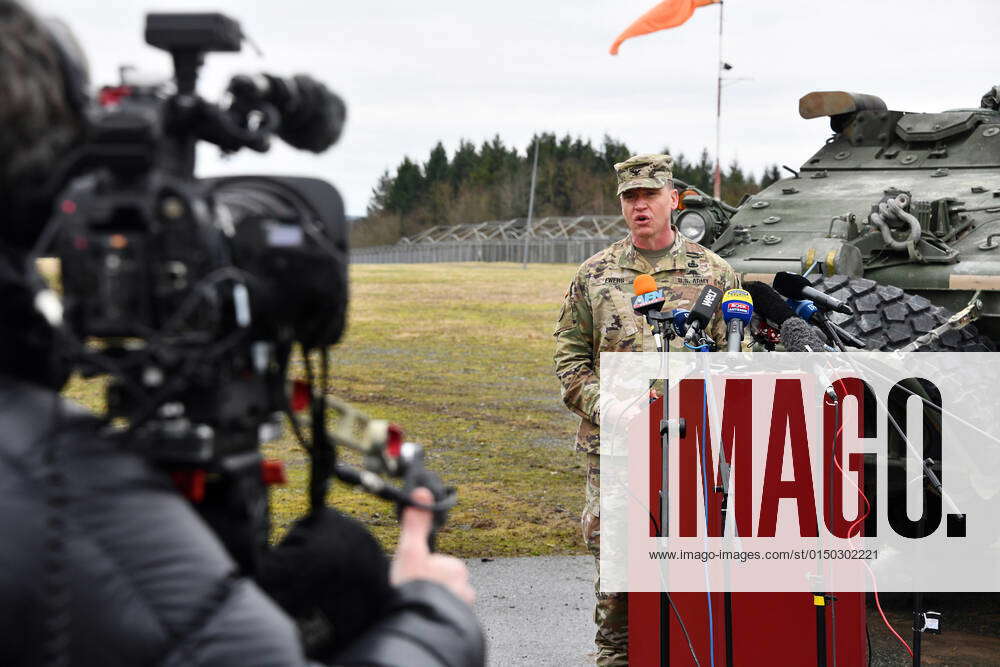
column 557, row 240
column 570, row 251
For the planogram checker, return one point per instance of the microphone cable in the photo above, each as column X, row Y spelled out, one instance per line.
column 657, row 524
column 704, row 484
column 838, row 434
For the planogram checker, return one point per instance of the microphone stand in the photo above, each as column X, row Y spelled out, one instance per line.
column 705, row 344
column 923, row 620
column 663, row 333
column 727, row 595
column 830, row 329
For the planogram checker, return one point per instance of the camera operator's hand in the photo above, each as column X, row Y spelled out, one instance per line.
column 414, row 560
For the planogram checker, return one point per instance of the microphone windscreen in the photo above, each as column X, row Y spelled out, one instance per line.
column 644, row 283
column 737, row 303
column 790, row 284
column 706, row 304
column 797, row 336
column 769, row 303
column 314, row 116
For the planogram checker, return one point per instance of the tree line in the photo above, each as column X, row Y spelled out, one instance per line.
column 492, row 182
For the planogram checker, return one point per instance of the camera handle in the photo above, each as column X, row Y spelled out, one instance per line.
column 385, row 455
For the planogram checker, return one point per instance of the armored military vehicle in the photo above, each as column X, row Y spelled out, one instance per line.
column 897, row 213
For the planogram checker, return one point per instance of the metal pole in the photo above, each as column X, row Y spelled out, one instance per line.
column 531, row 202
column 717, row 180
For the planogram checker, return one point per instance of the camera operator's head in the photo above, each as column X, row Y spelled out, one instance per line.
column 43, row 76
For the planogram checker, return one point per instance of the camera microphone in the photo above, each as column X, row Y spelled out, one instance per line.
column 737, row 310
column 794, row 286
column 312, row 116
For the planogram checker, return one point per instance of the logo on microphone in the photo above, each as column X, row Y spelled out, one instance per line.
column 737, row 308
column 648, row 299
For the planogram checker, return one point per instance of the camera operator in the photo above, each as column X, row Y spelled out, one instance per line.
column 102, row 560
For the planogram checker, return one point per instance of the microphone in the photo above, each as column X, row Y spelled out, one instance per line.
column 648, row 298
column 803, row 308
column 737, row 309
column 679, row 317
column 808, row 311
column 312, row 116
column 797, row 336
column 769, row 303
column 701, row 313
column 794, row 286
column 648, row 301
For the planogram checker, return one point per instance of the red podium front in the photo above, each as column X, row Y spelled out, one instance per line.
column 767, row 628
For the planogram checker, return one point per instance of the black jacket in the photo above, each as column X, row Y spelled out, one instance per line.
column 103, row 562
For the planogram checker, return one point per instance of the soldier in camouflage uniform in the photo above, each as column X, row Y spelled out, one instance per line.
column 597, row 317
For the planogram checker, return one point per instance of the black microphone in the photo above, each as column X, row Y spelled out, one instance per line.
column 312, row 116
column 797, row 287
column 702, row 311
column 768, row 303
column 796, row 335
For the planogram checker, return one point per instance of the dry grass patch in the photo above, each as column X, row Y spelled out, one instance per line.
column 460, row 355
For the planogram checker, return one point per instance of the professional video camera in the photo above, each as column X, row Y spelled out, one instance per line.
column 189, row 294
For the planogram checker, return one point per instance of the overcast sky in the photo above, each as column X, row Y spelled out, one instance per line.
column 415, row 72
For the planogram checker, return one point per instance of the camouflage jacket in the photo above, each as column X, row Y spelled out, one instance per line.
column 597, row 317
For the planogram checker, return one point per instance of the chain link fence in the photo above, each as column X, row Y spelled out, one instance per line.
column 572, row 251
column 553, row 240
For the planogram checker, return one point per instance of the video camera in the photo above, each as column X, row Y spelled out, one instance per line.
column 189, row 294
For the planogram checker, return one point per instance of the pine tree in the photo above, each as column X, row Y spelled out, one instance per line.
column 379, row 194
column 406, row 188
column 436, row 168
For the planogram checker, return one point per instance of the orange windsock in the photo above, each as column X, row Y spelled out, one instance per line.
column 667, row 14
column 644, row 283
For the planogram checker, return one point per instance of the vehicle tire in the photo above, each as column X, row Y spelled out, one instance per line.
column 887, row 318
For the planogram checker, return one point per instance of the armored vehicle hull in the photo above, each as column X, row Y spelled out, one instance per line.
column 909, row 200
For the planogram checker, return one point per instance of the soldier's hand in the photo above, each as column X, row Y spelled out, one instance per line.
column 413, row 559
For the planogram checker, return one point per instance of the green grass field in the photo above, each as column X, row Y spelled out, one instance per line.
column 460, row 355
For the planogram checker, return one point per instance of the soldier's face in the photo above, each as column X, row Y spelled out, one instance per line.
column 647, row 213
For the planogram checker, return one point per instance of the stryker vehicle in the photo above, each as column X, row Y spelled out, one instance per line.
column 898, row 213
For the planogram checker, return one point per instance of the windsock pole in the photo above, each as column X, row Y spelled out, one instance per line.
column 717, row 179
column 531, row 203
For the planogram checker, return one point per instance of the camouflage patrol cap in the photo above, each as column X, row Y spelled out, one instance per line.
column 644, row 171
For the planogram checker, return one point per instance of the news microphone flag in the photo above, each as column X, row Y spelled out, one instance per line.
column 647, row 296
column 737, row 310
